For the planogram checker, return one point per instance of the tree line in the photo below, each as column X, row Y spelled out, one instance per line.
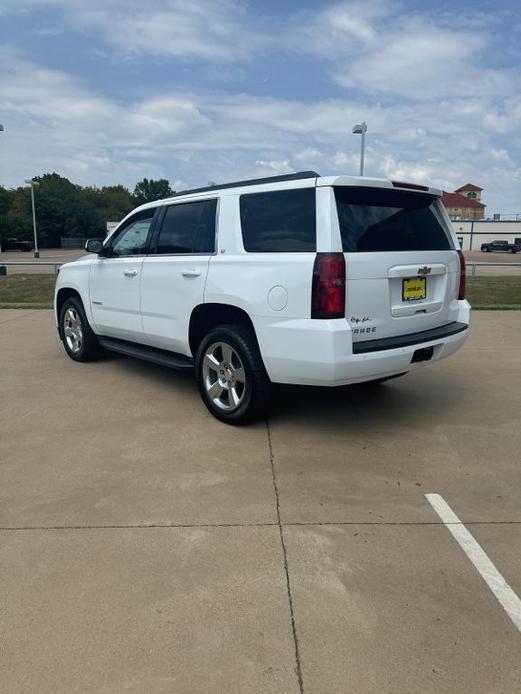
column 66, row 209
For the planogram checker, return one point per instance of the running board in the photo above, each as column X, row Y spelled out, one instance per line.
column 157, row 356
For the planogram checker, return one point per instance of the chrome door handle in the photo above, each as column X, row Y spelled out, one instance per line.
column 191, row 273
column 130, row 273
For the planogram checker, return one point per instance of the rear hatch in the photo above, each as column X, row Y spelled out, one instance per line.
column 402, row 268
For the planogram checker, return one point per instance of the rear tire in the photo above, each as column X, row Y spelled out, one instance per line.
column 230, row 374
column 80, row 343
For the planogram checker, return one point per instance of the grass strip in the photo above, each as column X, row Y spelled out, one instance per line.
column 36, row 290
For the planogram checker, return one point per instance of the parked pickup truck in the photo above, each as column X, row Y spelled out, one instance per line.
column 497, row 246
column 15, row 245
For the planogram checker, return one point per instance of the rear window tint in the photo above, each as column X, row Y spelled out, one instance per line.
column 279, row 222
column 376, row 219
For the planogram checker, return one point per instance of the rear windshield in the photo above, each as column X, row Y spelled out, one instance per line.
column 379, row 219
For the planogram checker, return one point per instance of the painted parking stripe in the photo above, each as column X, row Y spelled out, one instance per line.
column 494, row 580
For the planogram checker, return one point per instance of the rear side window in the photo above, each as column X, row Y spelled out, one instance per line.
column 279, row 222
column 188, row 228
column 376, row 219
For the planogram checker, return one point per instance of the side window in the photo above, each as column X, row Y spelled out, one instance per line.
column 188, row 228
column 280, row 221
column 132, row 240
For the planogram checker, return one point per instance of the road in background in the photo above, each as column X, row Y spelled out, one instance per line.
column 59, row 255
column 47, row 255
column 480, row 257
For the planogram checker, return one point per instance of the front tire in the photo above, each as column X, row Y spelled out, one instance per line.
column 230, row 374
column 80, row 343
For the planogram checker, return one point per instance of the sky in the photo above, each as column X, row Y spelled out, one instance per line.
column 111, row 91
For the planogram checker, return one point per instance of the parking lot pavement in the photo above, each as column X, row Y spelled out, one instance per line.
column 141, row 549
column 134, row 610
column 398, row 609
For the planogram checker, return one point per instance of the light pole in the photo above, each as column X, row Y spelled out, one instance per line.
column 361, row 129
column 33, row 183
column 3, row 269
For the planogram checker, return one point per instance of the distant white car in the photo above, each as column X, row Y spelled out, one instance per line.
column 291, row 279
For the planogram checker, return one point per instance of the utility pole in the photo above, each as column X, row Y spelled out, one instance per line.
column 33, row 183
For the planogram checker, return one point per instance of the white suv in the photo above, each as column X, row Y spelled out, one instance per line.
column 292, row 279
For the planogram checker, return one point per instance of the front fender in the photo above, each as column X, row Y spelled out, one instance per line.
column 74, row 277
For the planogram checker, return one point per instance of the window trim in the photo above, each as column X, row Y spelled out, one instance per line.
column 159, row 223
column 107, row 249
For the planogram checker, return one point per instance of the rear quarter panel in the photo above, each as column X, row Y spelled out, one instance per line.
column 262, row 284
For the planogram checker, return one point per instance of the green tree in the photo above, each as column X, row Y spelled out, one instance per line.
column 149, row 190
column 58, row 213
column 112, row 202
column 66, row 209
column 6, row 199
column 19, row 222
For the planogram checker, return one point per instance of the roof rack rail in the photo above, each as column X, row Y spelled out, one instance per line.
column 252, row 182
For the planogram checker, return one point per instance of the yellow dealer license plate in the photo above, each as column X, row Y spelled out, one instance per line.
column 414, row 288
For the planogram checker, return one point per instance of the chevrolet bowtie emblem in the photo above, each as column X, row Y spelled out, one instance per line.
column 424, row 270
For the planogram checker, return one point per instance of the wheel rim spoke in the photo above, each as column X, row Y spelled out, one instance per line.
column 239, row 374
column 234, row 396
column 227, row 353
column 215, row 390
column 211, row 362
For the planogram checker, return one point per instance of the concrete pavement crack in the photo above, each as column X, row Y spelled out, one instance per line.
column 298, row 668
column 311, row 524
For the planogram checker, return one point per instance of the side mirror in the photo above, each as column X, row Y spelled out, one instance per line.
column 94, row 246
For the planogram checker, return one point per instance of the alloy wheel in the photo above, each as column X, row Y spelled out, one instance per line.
column 72, row 330
column 223, row 376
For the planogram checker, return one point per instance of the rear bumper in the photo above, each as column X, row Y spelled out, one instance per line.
column 425, row 336
column 311, row 352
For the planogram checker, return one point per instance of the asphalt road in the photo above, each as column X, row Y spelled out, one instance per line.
column 147, row 548
column 58, row 255
column 25, row 262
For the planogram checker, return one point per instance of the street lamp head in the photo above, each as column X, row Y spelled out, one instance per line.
column 1, row 128
column 31, row 182
column 360, row 128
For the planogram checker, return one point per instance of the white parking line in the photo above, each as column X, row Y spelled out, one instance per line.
column 495, row 581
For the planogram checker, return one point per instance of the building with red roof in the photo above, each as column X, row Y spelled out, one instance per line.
column 465, row 202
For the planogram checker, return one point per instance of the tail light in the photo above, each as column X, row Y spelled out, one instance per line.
column 328, row 298
column 462, row 275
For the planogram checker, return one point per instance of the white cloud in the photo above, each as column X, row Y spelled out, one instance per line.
column 55, row 124
column 273, row 167
column 388, row 50
column 212, row 30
